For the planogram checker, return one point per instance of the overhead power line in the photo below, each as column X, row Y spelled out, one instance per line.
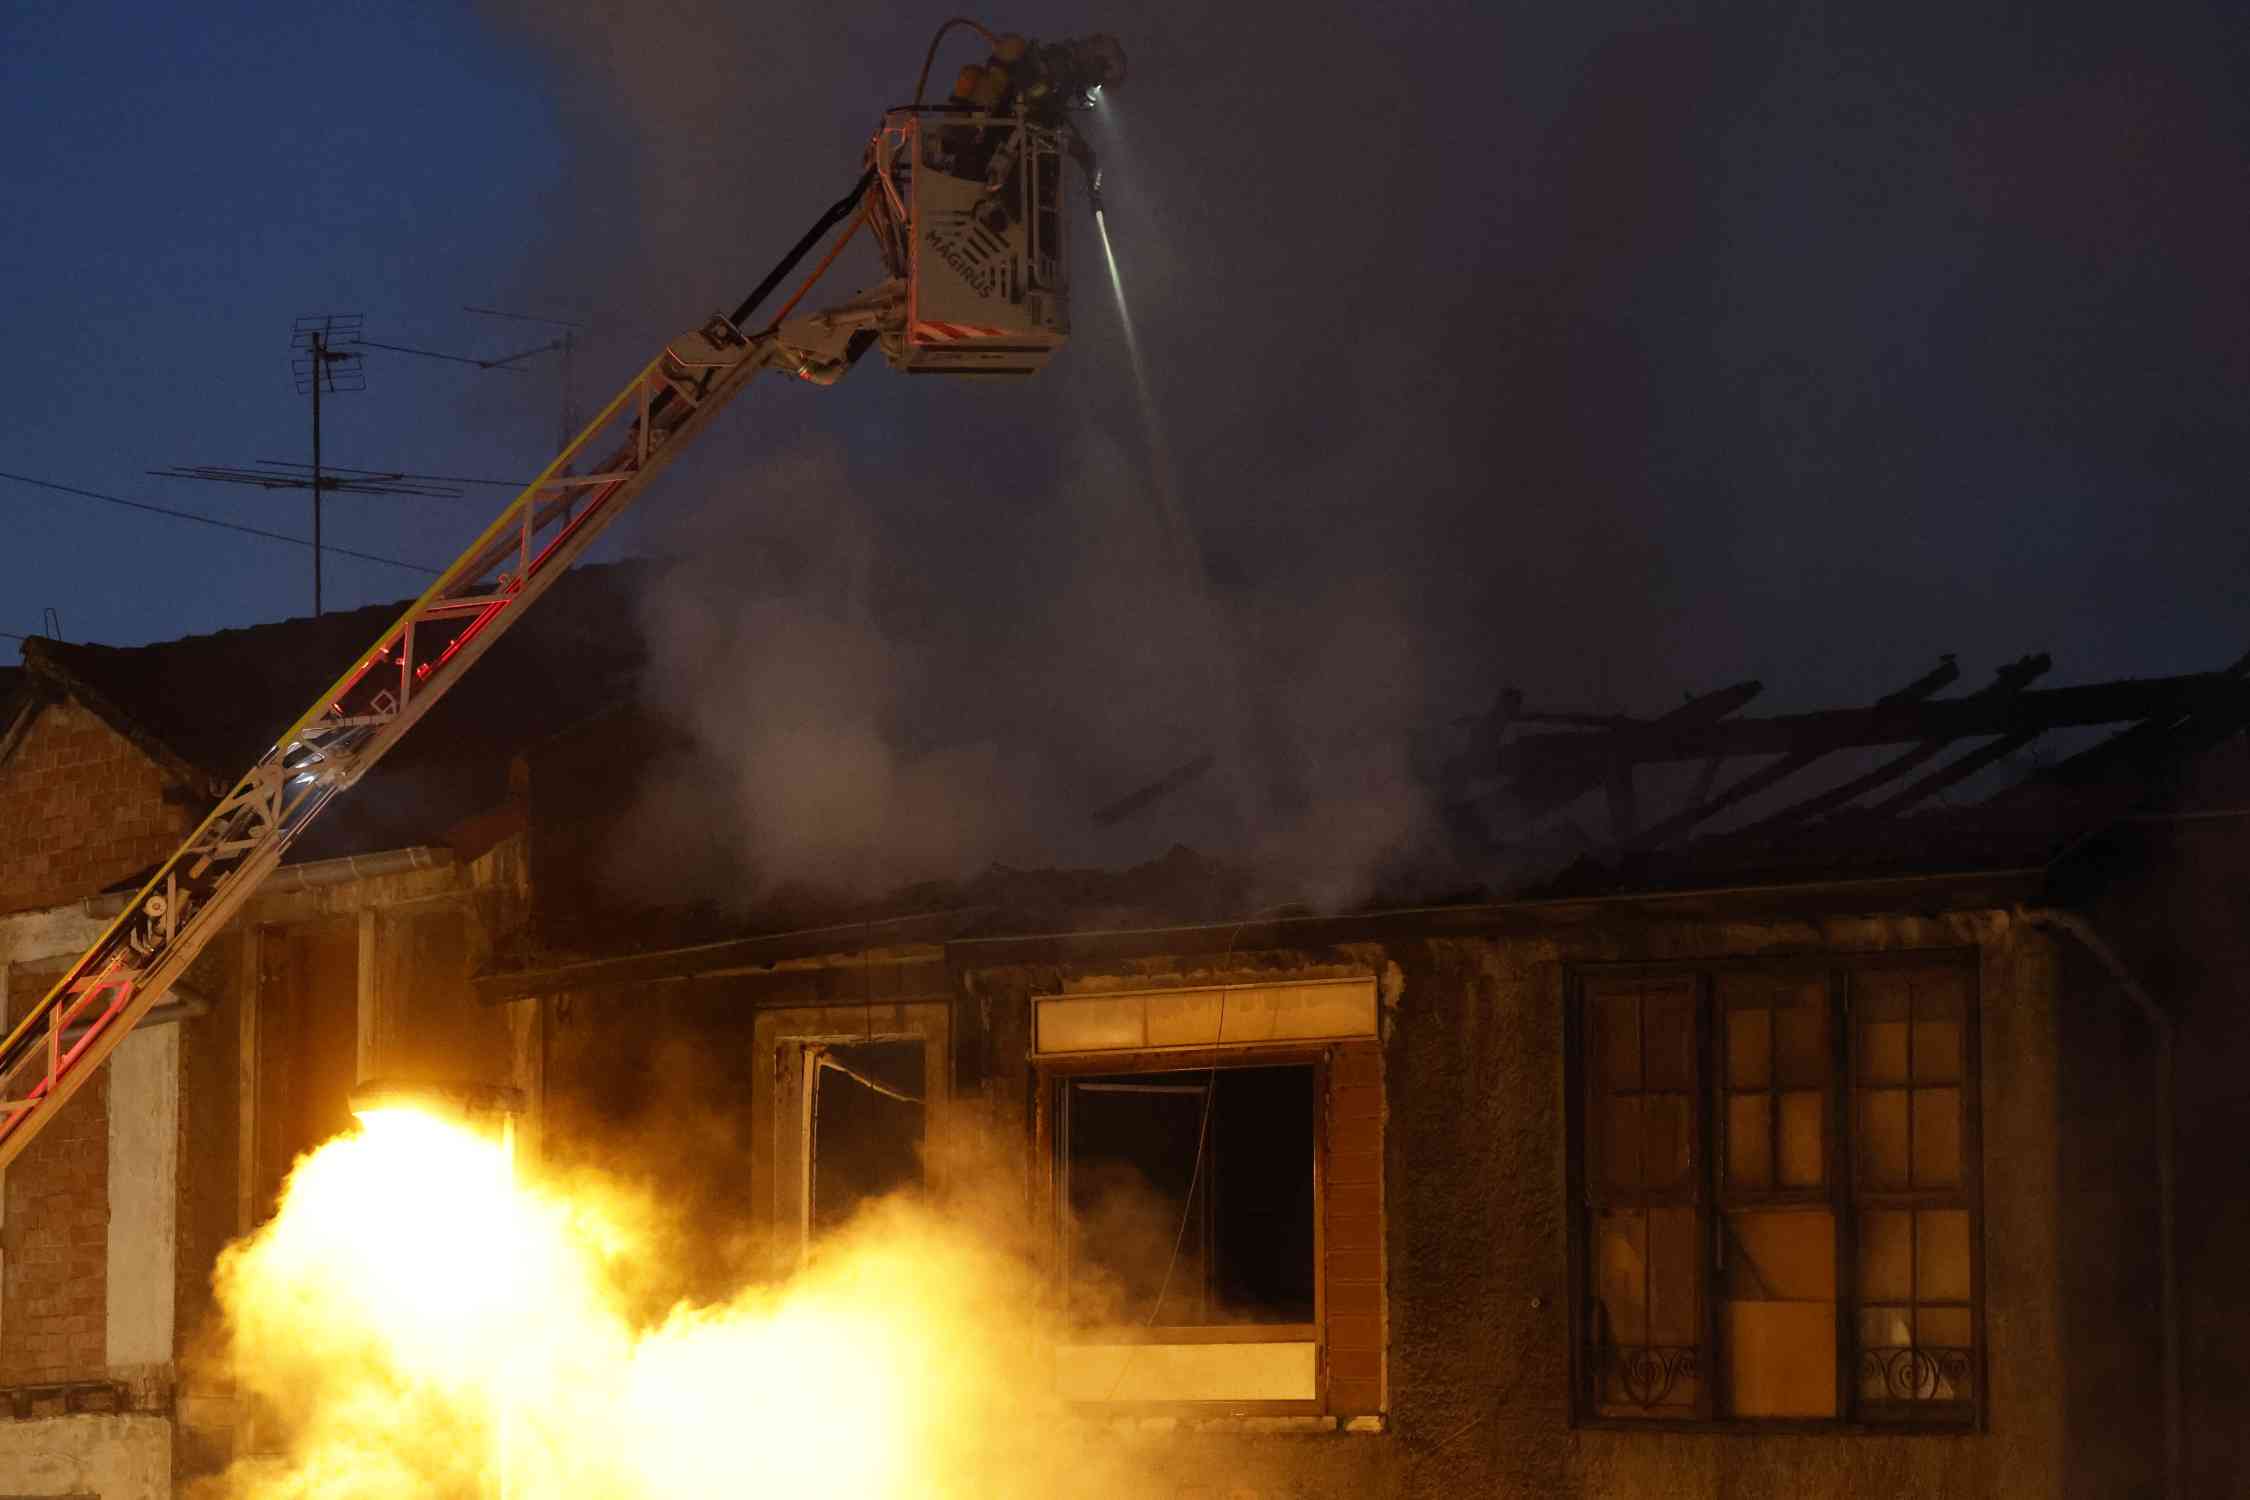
column 203, row 520
column 498, row 484
column 507, row 363
column 303, row 477
column 494, row 312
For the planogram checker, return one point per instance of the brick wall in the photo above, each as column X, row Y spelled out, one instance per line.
column 54, row 1247
column 80, row 809
column 1352, row 1229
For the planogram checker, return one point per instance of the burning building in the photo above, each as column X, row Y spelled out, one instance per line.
column 1797, row 1132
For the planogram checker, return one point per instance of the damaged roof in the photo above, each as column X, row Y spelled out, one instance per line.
column 1918, row 782
column 16, row 698
column 1532, row 806
column 1924, row 787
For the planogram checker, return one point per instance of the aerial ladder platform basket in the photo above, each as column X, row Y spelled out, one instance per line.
column 966, row 202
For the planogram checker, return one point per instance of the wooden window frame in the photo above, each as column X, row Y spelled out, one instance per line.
column 779, row 1038
column 811, row 1055
column 1051, row 1073
column 1711, row 1194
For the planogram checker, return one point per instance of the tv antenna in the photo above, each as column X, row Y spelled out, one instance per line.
column 322, row 363
column 324, row 360
column 565, row 344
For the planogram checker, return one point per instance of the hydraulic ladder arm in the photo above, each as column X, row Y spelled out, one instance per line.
column 61, row 1041
column 976, row 286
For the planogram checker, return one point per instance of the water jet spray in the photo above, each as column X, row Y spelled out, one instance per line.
column 1179, row 541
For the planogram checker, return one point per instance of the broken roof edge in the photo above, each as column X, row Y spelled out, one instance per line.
column 1966, row 890
column 25, row 695
column 315, row 648
column 915, row 929
column 953, row 931
column 48, row 665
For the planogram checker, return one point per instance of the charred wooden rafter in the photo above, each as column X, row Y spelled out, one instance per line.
column 1977, row 716
column 1156, row 791
column 1705, row 805
column 1565, row 781
column 2006, row 683
column 1542, row 771
column 2217, row 706
column 1546, row 783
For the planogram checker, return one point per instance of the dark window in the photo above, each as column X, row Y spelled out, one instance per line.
column 866, row 1125
column 1779, row 1214
column 307, row 1056
column 1190, row 1196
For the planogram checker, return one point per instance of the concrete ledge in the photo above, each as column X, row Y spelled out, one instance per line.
column 115, row 1457
column 1170, row 1425
column 1152, row 1372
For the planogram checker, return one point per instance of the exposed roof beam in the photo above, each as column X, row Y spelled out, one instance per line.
column 2203, row 719
column 1706, row 806
column 1979, row 716
column 1551, row 781
column 1156, row 791
column 2006, row 683
column 1956, row 771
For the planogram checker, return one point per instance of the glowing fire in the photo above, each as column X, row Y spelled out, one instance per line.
column 419, row 1323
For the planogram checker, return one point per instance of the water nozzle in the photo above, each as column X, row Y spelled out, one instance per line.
column 1082, row 67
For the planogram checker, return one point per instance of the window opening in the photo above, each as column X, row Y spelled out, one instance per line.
column 1777, row 1245
column 1915, row 1314
column 864, row 1126
column 1779, row 1211
column 1646, row 1198
column 1230, row 1244
column 306, row 1047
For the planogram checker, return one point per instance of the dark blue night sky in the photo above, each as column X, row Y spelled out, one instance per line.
column 183, row 181
column 1611, row 356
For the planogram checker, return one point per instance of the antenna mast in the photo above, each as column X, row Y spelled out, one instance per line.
column 321, row 362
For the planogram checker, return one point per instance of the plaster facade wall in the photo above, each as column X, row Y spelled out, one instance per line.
column 206, row 1212
column 91, row 1217
column 138, row 1196
column 143, row 1230
column 171, row 1152
column 113, row 1457
column 1477, row 1232
column 2183, row 930
column 1474, row 1238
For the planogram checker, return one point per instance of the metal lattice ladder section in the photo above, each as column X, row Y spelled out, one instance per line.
column 60, row 1042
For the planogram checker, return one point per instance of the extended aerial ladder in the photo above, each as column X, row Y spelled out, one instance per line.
column 965, row 201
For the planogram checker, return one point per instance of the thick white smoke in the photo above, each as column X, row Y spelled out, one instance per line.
column 858, row 715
